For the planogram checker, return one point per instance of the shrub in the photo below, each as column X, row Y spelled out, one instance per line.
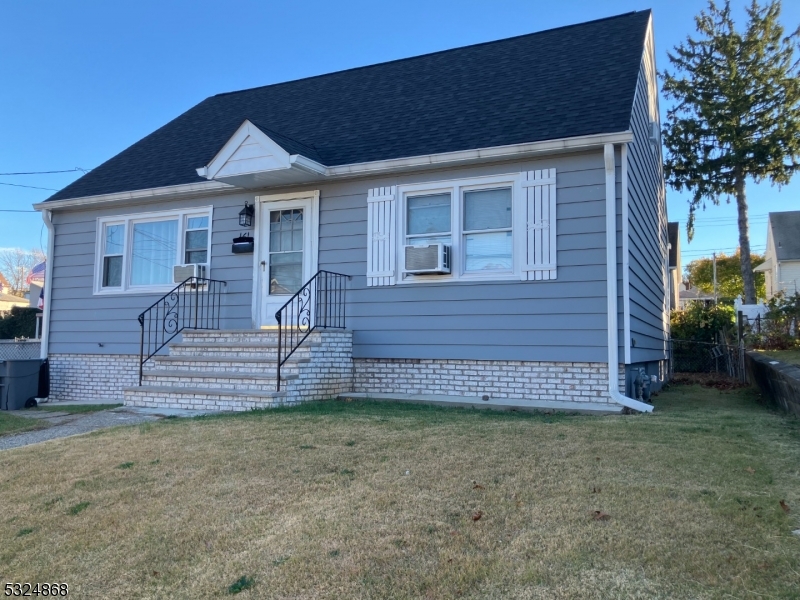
column 778, row 329
column 20, row 322
column 701, row 323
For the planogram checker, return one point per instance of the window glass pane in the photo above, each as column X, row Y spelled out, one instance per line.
column 197, row 239
column 487, row 209
column 112, row 271
column 488, row 251
column 285, row 272
column 154, row 248
column 197, row 222
column 115, row 238
column 428, row 214
column 196, row 257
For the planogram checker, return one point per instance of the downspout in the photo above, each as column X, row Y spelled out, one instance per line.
column 626, row 258
column 47, row 217
column 611, row 286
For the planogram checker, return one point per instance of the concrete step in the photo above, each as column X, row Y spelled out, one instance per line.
column 224, row 364
column 240, row 335
column 214, row 380
column 198, row 398
column 267, row 351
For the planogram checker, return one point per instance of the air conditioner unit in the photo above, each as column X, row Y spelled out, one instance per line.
column 427, row 259
column 181, row 273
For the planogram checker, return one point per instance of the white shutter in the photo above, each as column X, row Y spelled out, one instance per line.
column 381, row 235
column 539, row 191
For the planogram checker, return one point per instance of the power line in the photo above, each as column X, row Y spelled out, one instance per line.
column 33, row 187
column 47, row 172
column 17, row 211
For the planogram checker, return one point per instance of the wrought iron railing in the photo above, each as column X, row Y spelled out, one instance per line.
column 194, row 304
column 320, row 303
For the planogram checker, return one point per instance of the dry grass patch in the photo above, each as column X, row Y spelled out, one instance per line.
column 363, row 500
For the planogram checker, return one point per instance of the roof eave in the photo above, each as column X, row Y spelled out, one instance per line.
column 314, row 171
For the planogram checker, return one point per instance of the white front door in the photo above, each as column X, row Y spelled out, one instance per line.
column 287, row 252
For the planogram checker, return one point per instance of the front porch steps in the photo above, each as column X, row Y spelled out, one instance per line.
column 236, row 370
column 593, row 408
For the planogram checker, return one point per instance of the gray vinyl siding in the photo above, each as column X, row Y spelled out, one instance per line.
column 647, row 233
column 561, row 320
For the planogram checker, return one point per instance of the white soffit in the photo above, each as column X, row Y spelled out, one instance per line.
column 251, row 159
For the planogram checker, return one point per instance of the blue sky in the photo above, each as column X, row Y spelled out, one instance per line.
column 83, row 80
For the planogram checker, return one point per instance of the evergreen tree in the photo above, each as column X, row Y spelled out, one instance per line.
column 736, row 114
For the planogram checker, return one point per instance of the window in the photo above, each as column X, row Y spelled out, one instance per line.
column 498, row 227
column 285, row 251
column 138, row 252
column 113, row 239
column 196, row 244
column 487, row 230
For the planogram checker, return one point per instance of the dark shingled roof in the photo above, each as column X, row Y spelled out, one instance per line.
column 786, row 234
column 565, row 82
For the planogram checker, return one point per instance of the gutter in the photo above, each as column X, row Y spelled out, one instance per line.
column 611, row 286
column 316, row 171
column 47, row 217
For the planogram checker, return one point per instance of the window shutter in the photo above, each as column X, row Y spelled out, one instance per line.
column 381, row 235
column 539, row 191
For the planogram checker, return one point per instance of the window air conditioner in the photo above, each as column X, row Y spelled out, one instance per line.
column 431, row 258
column 181, row 273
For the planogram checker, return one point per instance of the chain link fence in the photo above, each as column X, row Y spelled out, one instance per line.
column 19, row 349
column 688, row 356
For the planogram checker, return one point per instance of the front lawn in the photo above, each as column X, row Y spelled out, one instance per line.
column 369, row 500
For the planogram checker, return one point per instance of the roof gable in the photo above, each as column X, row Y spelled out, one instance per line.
column 568, row 82
column 785, row 227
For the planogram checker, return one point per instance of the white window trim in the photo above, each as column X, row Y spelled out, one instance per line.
column 456, row 187
column 129, row 220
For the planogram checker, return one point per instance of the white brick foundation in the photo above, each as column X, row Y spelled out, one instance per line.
column 92, row 376
column 561, row 381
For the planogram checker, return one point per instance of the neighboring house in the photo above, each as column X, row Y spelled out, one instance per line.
column 534, row 161
column 781, row 266
column 674, row 233
column 4, row 287
column 7, row 302
column 689, row 294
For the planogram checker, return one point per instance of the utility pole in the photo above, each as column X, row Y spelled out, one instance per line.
column 715, row 278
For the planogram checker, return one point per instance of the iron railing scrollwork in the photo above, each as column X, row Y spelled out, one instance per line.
column 194, row 304
column 320, row 303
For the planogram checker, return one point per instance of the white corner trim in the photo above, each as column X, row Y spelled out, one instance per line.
column 611, row 286
column 626, row 257
column 47, row 217
column 299, row 162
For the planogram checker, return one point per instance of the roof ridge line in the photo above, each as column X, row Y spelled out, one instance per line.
column 407, row 58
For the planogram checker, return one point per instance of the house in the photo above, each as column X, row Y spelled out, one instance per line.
column 689, row 294
column 488, row 222
column 674, row 236
column 9, row 301
column 781, row 266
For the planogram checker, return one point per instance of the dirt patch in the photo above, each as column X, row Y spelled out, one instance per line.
column 709, row 380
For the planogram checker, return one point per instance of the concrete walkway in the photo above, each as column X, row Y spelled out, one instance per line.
column 63, row 424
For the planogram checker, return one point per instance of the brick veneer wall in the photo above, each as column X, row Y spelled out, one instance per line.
column 562, row 381
column 88, row 376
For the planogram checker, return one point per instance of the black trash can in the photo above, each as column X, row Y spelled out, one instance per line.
column 19, row 383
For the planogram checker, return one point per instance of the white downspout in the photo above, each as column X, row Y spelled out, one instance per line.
column 47, row 217
column 611, row 286
column 626, row 257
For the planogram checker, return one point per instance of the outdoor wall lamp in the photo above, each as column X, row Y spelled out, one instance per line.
column 246, row 215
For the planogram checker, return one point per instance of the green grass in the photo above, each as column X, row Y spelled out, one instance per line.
column 13, row 424
column 427, row 502
column 76, row 408
column 788, row 356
